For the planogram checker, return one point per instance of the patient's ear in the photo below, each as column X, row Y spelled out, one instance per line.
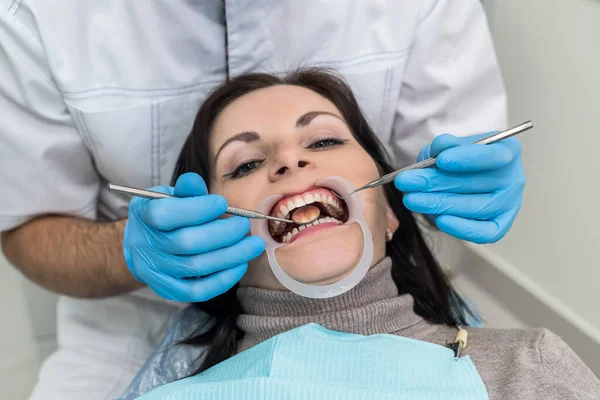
column 392, row 220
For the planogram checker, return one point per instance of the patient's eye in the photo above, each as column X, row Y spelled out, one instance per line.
column 329, row 142
column 244, row 169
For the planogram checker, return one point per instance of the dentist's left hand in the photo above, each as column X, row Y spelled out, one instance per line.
column 474, row 192
column 179, row 247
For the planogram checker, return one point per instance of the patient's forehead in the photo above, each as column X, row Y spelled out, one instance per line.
column 267, row 111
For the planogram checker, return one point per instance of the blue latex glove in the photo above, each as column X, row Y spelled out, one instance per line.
column 179, row 248
column 474, row 193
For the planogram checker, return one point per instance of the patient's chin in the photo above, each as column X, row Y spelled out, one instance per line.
column 323, row 257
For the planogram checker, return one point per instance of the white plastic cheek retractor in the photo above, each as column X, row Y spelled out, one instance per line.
column 355, row 214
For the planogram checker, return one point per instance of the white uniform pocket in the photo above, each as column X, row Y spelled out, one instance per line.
column 137, row 145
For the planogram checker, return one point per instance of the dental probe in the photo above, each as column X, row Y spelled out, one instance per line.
column 149, row 194
column 431, row 161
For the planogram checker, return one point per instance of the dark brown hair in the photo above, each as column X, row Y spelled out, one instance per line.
column 414, row 270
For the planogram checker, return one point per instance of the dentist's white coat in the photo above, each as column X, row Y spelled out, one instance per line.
column 98, row 91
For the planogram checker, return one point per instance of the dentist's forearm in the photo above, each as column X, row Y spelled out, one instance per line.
column 71, row 256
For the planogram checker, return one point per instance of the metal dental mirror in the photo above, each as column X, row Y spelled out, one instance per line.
column 300, row 216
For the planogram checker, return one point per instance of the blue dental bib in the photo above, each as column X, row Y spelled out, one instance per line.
column 311, row 362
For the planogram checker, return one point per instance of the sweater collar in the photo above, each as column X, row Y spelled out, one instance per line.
column 371, row 307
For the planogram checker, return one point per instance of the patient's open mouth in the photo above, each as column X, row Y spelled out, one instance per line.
column 333, row 212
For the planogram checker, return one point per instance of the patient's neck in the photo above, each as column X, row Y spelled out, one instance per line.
column 372, row 307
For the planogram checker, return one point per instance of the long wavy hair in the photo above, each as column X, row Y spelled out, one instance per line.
column 414, row 270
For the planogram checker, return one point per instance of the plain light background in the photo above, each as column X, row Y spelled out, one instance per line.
column 549, row 51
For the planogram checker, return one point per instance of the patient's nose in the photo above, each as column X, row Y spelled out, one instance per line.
column 284, row 169
column 288, row 162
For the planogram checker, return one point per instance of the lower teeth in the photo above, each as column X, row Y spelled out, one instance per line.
column 287, row 237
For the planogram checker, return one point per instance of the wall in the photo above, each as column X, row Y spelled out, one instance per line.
column 549, row 51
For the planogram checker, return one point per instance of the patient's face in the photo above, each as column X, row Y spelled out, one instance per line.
column 281, row 141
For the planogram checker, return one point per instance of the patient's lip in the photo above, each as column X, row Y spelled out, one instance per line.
column 288, row 195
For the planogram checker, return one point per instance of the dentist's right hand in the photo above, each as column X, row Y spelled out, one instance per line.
column 179, row 247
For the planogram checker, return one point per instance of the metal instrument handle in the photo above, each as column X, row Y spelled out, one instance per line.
column 431, row 161
column 149, row 194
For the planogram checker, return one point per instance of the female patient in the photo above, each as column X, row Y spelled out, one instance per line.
column 260, row 135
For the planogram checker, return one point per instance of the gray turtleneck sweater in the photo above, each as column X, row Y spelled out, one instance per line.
column 513, row 363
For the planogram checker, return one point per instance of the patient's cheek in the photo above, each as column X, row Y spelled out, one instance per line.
column 376, row 207
column 260, row 275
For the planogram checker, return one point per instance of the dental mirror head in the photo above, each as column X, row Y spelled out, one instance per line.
column 306, row 215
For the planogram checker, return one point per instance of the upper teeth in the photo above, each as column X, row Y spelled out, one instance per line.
column 286, row 209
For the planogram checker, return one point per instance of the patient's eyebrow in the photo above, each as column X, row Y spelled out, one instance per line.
column 309, row 116
column 246, row 137
column 251, row 136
